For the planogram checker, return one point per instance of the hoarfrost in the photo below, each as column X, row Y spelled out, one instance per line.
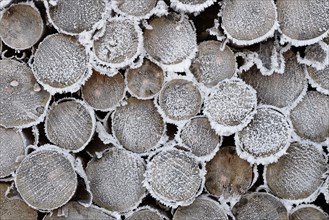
column 146, row 213
column 191, row 6
column 316, row 56
column 304, row 212
column 319, row 79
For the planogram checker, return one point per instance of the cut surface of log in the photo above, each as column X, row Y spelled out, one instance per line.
column 319, row 79
column 146, row 213
column 136, row 9
column 306, row 212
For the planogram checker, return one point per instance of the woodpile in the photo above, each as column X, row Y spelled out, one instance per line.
column 164, row 109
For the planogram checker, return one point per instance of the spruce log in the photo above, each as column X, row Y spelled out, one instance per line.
column 146, row 213
column 319, row 79
column 135, row 9
column 306, row 212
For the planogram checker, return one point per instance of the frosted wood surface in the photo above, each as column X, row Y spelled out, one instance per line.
column 259, row 206
column 280, row 90
column 303, row 20
column 21, row 103
column 297, row 174
column 174, row 176
column 180, row 99
column 138, row 126
column 21, row 26
column 249, row 20
column 69, row 125
column 60, row 61
column 146, row 214
column 199, row 137
column 171, row 40
column 119, row 42
column 212, row 65
column 14, row 209
column 316, row 53
column 266, row 135
column 135, row 7
column 145, row 81
column 201, row 208
column 321, row 78
column 86, row 14
column 307, row 213
column 46, row 179
column 75, row 211
column 11, row 147
column 227, row 174
column 193, row 2
column 116, row 180
column 310, row 118
column 103, row 92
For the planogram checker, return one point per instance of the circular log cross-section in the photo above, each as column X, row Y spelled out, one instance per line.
column 60, row 64
column 180, row 100
column 249, row 22
column 116, row 180
column 228, row 176
column 174, row 177
column 138, row 126
column 319, row 79
column 70, row 124
column 46, row 178
column 306, row 212
column 212, row 65
column 23, row 101
column 265, row 138
column 103, row 92
column 75, row 16
column 135, row 9
column 298, row 174
column 202, row 208
column 191, row 6
column 172, row 39
column 11, row 147
column 21, row 26
column 146, row 213
column 259, row 206
column 230, row 106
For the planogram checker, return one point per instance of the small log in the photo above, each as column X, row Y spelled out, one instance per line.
column 310, row 118
column 136, row 9
column 316, row 56
column 179, row 100
column 60, row 64
column 86, row 13
column 249, row 22
column 303, row 22
column 138, row 126
column 14, row 208
column 116, row 180
column 146, row 213
column 230, row 106
column 212, row 65
column 23, row 100
column 21, row 26
column 171, row 42
column 191, row 6
column 319, row 79
column 146, row 81
column 306, row 212
column 174, row 177
column 260, row 206
column 202, row 208
column 228, row 176
column 103, row 92
column 12, row 146
column 265, row 138
column 70, row 124
column 46, row 178
column 298, row 175
column 198, row 137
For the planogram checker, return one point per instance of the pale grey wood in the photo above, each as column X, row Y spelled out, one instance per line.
column 146, row 213
column 193, row 2
column 21, row 26
column 228, row 175
column 307, row 213
column 138, row 126
column 298, row 174
column 70, row 124
column 11, row 148
column 136, row 8
column 75, row 16
column 202, row 208
column 103, row 92
column 317, row 55
column 213, row 65
column 14, row 209
column 180, row 99
column 146, row 81
column 320, row 78
column 310, row 118
column 23, row 100
column 46, row 179
column 259, row 206
column 116, row 180
column 171, row 40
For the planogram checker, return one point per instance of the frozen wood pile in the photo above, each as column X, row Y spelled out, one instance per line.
column 164, row 109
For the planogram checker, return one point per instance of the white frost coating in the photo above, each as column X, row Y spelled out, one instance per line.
column 299, row 43
column 105, row 137
column 215, row 31
column 231, row 106
column 195, row 8
column 78, row 167
column 325, row 190
column 316, row 56
column 308, row 206
column 4, row 3
column 319, row 79
column 146, row 208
